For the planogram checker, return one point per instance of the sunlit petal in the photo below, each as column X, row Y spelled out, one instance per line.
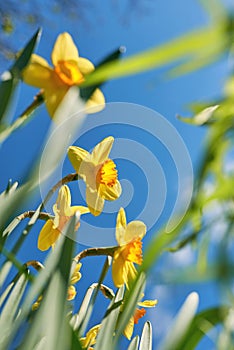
column 64, row 201
column 38, row 72
column 102, row 150
column 94, row 201
column 53, row 97
column 134, row 230
column 121, row 225
column 47, row 236
column 111, row 193
column 79, row 208
column 148, row 303
column 85, row 66
column 77, row 155
column 64, row 49
column 95, row 103
column 118, row 268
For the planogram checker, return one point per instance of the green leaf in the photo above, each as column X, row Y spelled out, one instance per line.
column 5, row 269
column 129, row 304
column 10, row 310
column 86, row 92
column 9, row 79
column 185, row 47
column 134, row 343
column 7, row 88
column 181, row 323
column 201, row 118
column 201, row 325
column 57, row 258
column 25, row 55
column 108, row 325
column 88, row 303
column 146, row 338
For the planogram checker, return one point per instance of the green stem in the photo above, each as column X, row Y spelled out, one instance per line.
column 109, row 251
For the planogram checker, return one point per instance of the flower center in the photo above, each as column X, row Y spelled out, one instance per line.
column 69, row 73
column 107, row 174
column 134, row 251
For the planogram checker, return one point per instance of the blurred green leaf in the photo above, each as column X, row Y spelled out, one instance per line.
column 9, row 79
column 201, row 325
column 181, row 323
column 86, row 92
column 10, row 310
column 146, row 338
column 105, row 336
column 185, row 47
column 134, row 343
column 201, row 118
column 130, row 301
column 25, row 55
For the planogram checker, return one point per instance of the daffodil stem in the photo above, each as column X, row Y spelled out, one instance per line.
column 37, row 265
column 30, row 213
column 68, row 178
column 95, row 252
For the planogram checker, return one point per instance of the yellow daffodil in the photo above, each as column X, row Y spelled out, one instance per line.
column 63, row 212
column 129, row 238
column 139, row 313
column 99, row 173
column 90, row 338
column 69, row 70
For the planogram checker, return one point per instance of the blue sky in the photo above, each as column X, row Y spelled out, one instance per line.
column 106, row 28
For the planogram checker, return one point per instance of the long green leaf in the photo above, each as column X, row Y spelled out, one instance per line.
column 181, row 323
column 108, row 325
column 146, row 338
column 134, row 343
column 25, row 55
column 10, row 310
column 201, row 324
column 129, row 305
column 183, row 47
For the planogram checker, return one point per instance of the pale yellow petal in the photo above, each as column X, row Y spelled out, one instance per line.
column 148, row 303
column 64, row 49
column 76, row 156
column 135, row 229
column 79, row 208
column 118, row 268
column 94, row 201
column 110, row 193
column 95, row 103
column 121, row 225
column 85, row 66
column 71, row 293
column 129, row 329
column 38, row 72
column 64, row 201
column 47, row 236
column 54, row 95
column 90, row 338
column 131, row 273
column 102, row 150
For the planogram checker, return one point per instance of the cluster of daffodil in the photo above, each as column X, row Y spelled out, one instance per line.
column 96, row 169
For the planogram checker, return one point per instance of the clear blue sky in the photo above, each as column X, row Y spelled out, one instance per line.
column 105, row 28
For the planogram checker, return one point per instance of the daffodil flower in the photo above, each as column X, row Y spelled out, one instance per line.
column 129, row 238
column 69, row 70
column 90, row 337
column 139, row 313
column 63, row 212
column 99, row 173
